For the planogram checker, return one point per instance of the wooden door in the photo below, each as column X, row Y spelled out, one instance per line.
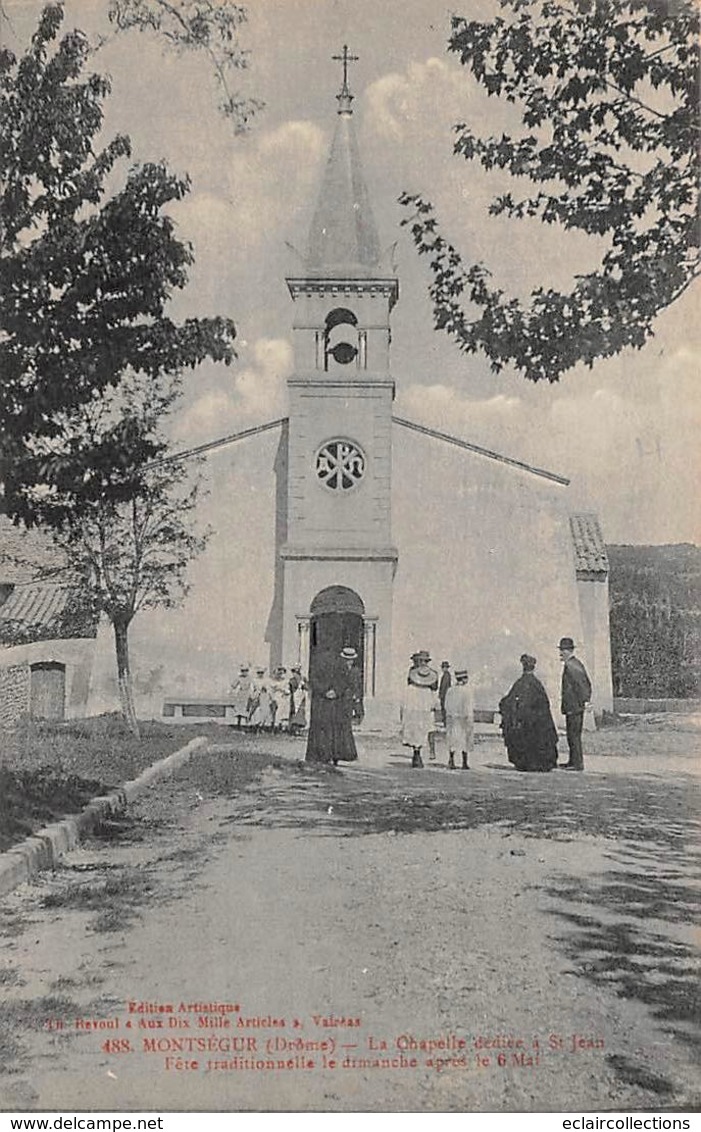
column 48, row 691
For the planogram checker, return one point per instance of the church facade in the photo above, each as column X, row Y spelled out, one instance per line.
column 347, row 524
column 492, row 568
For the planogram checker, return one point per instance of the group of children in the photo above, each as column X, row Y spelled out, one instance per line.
column 270, row 702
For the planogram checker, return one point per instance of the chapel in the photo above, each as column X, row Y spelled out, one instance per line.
column 497, row 568
column 346, row 524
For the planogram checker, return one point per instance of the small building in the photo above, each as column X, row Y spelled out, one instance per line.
column 47, row 634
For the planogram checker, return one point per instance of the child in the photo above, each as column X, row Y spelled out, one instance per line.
column 459, row 719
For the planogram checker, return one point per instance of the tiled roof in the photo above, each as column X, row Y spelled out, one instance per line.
column 42, row 600
column 589, row 547
column 35, row 604
column 41, row 611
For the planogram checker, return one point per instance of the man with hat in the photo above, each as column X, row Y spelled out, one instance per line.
column 576, row 693
column 336, row 695
column 445, row 682
column 417, row 709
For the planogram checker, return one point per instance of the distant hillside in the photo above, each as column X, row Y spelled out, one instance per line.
column 655, row 601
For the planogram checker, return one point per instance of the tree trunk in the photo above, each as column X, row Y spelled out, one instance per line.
column 126, row 694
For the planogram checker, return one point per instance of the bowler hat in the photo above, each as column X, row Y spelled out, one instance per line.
column 348, row 653
column 566, row 643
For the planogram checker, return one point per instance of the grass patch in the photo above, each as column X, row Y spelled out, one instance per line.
column 117, row 899
column 10, row 977
column 34, row 1013
column 50, row 770
column 30, row 799
column 69, row 982
column 99, row 747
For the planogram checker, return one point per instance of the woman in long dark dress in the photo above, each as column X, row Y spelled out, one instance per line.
column 335, row 688
column 527, row 724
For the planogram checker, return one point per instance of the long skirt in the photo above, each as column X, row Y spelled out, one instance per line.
column 458, row 733
column 330, row 736
column 417, row 716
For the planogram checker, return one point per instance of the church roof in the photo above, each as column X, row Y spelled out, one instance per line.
column 343, row 237
column 589, row 547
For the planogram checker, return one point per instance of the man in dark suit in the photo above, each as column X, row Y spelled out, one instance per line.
column 445, row 683
column 576, row 693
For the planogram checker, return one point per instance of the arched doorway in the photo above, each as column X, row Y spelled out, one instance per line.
column 336, row 622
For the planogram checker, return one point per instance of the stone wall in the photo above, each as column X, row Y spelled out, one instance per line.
column 14, row 693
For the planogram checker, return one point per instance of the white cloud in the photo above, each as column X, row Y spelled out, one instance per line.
column 630, row 459
column 400, row 105
column 268, row 178
column 445, row 408
column 272, row 178
column 256, row 394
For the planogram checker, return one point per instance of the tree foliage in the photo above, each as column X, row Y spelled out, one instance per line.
column 210, row 27
column 130, row 554
column 656, row 621
column 608, row 96
column 85, row 280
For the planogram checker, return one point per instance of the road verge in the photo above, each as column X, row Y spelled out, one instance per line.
column 44, row 848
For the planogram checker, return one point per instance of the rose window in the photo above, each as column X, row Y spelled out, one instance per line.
column 340, row 465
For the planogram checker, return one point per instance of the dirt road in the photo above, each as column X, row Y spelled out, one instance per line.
column 259, row 935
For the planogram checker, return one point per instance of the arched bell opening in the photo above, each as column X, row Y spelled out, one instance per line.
column 341, row 338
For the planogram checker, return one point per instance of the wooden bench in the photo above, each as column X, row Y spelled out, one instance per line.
column 210, row 709
column 181, row 709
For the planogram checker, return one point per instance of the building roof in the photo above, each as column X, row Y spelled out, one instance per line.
column 34, row 604
column 589, row 547
column 40, row 598
column 43, row 611
column 457, row 442
column 343, row 237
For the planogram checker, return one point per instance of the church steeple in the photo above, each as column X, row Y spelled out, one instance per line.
column 343, row 237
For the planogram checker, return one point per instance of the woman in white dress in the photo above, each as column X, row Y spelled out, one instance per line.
column 241, row 690
column 261, row 717
column 419, row 702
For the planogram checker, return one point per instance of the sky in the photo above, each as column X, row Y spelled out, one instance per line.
column 624, row 432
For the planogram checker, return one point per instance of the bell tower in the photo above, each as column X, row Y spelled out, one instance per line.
column 336, row 562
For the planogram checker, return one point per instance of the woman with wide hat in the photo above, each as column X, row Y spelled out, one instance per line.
column 419, row 702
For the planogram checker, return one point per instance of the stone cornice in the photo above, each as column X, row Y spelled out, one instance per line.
column 339, row 553
column 308, row 285
column 320, row 380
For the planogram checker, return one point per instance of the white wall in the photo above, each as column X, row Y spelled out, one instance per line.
column 486, row 568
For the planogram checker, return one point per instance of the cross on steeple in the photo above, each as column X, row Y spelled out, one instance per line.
column 345, row 97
